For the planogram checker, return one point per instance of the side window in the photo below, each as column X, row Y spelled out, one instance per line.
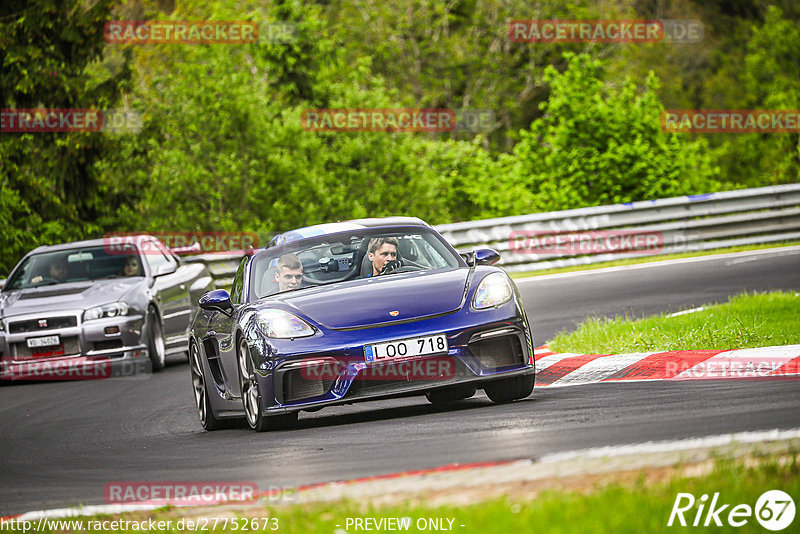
column 155, row 258
column 238, row 283
column 156, row 255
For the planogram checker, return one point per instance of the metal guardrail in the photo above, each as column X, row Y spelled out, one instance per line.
column 681, row 224
column 222, row 266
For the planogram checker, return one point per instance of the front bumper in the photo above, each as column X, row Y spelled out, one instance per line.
column 94, row 349
column 476, row 354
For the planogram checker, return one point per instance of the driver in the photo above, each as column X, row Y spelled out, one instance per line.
column 58, row 271
column 289, row 272
column 382, row 251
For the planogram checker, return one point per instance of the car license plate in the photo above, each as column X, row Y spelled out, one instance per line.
column 46, row 341
column 406, row 348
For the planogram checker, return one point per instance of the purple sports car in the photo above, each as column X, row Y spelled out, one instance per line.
column 354, row 311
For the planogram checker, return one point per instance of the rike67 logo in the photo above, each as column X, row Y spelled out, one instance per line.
column 774, row 510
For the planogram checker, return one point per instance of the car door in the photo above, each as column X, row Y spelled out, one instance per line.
column 171, row 292
column 226, row 330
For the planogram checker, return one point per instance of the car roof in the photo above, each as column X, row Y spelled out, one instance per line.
column 86, row 243
column 334, row 228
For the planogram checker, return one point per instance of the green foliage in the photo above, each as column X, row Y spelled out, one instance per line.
column 222, row 146
column 770, row 79
column 600, row 145
column 49, row 189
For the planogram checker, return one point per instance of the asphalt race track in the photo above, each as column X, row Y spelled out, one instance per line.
column 61, row 443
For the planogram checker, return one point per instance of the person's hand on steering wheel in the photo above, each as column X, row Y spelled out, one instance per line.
column 391, row 266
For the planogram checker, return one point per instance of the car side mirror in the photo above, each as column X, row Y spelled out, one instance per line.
column 217, row 300
column 2, row 284
column 165, row 268
column 485, row 256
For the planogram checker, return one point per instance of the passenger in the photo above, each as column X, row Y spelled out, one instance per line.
column 131, row 266
column 289, row 272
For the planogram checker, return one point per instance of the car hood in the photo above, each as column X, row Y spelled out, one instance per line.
column 71, row 296
column 371, row 301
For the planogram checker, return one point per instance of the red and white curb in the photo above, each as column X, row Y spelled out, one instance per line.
column 568, row 369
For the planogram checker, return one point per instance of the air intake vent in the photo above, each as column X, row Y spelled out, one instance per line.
column 296, row 386
column 108, row 344
column 497, row 352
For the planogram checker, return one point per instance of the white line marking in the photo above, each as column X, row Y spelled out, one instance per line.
column 664, row 263
column 684, row 312
column 671, row 446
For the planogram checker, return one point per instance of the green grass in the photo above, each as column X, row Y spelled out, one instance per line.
column 745, row 321
column 616, row 505
column 650, row 259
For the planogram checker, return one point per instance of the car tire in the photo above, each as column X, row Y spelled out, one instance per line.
column 208, row 419
column 509, row 389
column 156, row 350
column 251, row 397
column 451, row 394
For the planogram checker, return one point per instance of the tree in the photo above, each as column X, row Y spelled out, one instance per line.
column 600, row 145
column 51, row 58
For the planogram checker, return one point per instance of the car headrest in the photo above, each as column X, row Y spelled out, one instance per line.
column 408, row 250
column 268, row 284
column 366, row 266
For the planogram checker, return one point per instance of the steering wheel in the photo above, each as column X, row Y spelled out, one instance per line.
column 391, row 266
column 46, row 280
column 398, row 266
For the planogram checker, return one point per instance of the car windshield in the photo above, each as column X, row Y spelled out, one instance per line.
column 346, row 256
column 74, row 265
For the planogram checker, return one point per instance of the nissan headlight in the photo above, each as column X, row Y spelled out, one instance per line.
column 282, row 324
column 494, row 290
column 104, row 312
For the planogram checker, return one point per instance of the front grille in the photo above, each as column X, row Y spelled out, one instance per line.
column 296, row 386
column 497, row 352
column 70, row 345
column 32, row 325
column 107, row 344
column 409, row 373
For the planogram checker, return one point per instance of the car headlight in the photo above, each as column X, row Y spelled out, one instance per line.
column 2, row 326
column 109, row 310
column 494, row 290
column 282, row 324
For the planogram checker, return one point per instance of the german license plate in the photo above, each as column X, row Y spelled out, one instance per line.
column 45, row 341
column 406, row 348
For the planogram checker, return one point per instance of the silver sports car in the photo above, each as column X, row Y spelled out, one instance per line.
column 90, row 308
